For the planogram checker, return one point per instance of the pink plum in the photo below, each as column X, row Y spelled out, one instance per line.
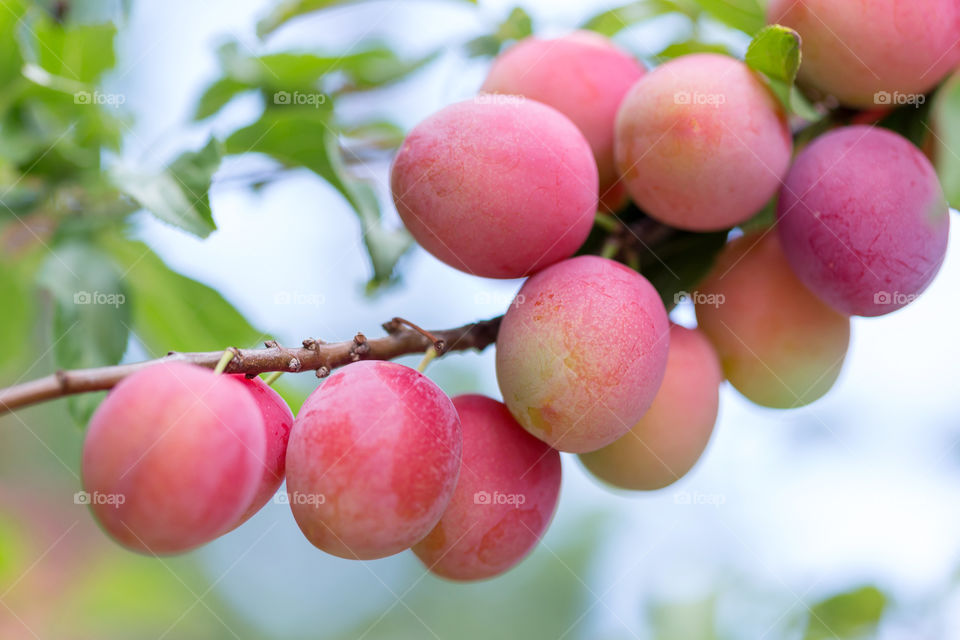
column 877, row 53
column 505, row 497
column 497, row 186
column 173, row 457
column 701, row 142
column 670, row 438
column 582, row 75
column 863, row 220
column 582, row 352
column 373, row 460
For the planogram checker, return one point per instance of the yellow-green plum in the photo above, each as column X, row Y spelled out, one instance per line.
column 666, row 443
column 863, row 220
column 779, row 345
column 582, row 75
column 497, row 186
column 173, row 457
column 277, row 422
column 582, row 352
column 505, row 497
column 877, row 53
column 701, row 142
column 373, row 460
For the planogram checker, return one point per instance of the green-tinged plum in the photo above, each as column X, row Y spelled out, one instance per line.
column 779, row 345
column 173, row 457
column 504, row 500
column 670, row 438
column 701, row 142
column 373, row 460
column 582, row 352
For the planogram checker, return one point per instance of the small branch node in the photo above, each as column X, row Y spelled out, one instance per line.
column 323, row 372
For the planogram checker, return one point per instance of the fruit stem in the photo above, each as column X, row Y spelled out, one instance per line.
column 428, row 357
column 272, row 377
column 225, row 360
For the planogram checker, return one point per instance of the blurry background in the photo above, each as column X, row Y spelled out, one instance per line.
column 814, row 523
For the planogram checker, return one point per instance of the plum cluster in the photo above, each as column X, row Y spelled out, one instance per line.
column 508, row 185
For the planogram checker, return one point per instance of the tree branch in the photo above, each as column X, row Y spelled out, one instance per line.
column 314, row 355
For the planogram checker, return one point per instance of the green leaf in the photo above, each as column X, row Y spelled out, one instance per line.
column 612, row 21
column 80, row 53
column 743, row 15
column 517, row 26
column 180, row 194
column 691, row 46
column 303, row 138
column 172, row 312
column 945, row 141
column 775, row 52
column 763, row 219
column 855, row 614
column 290, row 9
column 378, row 134
column 16, row 320
column 10, row 59
column 91, row 314
column 217, row 95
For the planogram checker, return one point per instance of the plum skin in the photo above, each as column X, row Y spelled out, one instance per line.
column 582, row 75
column 580, row 359
column 779, row 345
column 858, row 51
column 863, row 220
column 669, row 439
column 184, row 447
column 278, row 420
column 497, row 186
column 701, row 142
column 478, row 538
column 373, row 459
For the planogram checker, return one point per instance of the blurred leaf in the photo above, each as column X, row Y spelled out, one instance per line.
column 945, row 129
column 171, row 312
column 379, row 134
column 91, row 314
column 694, row 619
column 303, row 138
column 775, row 52
column 855, row 614
column 217, row 95
column 911, row 121
column 17, row 318
column 691, row 46
column 613, row 21
column 517, row 26
column 290, row 9
column 80, row 53
column 679, row 263
column 179, row 195
column 763, row 219
column 10, row 58
column 743, row 15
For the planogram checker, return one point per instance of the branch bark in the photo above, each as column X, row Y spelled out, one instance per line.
column 314, row 355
